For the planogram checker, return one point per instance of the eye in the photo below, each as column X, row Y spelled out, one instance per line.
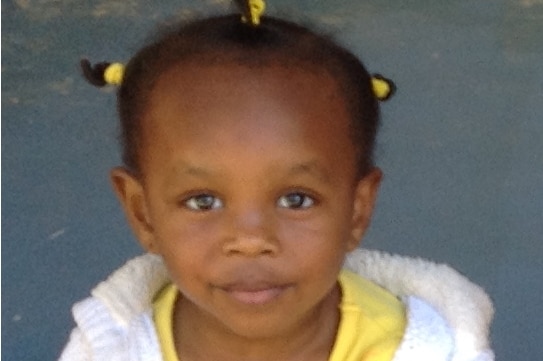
column 202, row 202
column 296, row 200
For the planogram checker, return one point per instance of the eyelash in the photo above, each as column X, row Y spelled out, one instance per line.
column 203, row 202
column 302, row 201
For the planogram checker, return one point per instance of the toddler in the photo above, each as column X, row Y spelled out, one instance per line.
column 248, row 178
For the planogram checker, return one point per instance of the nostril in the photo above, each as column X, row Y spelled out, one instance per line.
column 250, row 246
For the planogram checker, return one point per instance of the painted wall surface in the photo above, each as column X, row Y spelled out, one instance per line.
column 461, row 147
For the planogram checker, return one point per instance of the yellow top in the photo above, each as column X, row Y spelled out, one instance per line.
column 372, row 321
column 163, row 307
column 371, row 327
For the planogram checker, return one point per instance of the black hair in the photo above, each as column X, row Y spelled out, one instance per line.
column 227, row 39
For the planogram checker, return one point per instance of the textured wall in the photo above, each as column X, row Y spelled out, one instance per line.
column 461, row 147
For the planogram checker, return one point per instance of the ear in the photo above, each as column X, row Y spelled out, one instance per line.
column 364, row 202
column 130, row 193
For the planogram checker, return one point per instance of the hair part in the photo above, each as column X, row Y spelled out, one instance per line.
column 225, row 39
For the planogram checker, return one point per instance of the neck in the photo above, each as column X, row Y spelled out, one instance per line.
column 310, row 339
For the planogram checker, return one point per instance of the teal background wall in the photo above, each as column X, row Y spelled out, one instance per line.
column 461, row 147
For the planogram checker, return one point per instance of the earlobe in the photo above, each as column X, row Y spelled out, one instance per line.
column 364, row 201
column 130, row 193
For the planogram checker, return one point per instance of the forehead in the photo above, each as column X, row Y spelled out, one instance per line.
column 199, row 106
column 302, row 87
column 233, row 70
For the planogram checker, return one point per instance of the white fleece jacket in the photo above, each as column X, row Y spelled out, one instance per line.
column 448, row 317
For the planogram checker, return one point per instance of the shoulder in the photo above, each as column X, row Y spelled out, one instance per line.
column 116, row 322
column 439, row 302
column 99, row 337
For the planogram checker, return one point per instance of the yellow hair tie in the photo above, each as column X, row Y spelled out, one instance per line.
column 255, row 10
column 383, row 88
column 113, row 74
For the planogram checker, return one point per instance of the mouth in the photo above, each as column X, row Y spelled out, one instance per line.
column 254, row 294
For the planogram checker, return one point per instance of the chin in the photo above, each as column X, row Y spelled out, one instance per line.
column 267, row 324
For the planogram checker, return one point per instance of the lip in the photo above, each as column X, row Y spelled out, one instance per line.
column 254, row 293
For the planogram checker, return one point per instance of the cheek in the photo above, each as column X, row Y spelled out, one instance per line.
column 184, row 239
column 321, row 239
column 188, row 248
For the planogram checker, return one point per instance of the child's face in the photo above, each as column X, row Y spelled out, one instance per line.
column 249, row 192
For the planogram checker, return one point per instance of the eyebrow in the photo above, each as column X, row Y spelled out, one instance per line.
column 311, row 168
column 187, row 169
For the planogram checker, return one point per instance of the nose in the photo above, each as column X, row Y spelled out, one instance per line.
column 251, row 234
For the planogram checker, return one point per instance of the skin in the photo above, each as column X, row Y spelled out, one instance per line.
column 249, row 193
